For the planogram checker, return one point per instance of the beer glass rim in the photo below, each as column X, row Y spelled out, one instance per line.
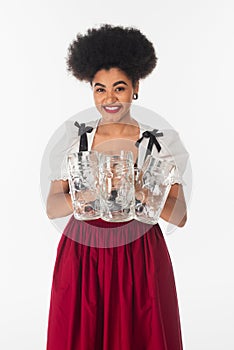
column 80, row 153
column 122, row 154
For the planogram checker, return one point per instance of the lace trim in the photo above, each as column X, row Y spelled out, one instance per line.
column 177, row 180
column 57, row 177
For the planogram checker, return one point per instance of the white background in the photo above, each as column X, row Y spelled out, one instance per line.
column 192, row 87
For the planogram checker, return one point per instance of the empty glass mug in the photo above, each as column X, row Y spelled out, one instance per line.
column 84, row 184
column 152, row 185
column 117, row 197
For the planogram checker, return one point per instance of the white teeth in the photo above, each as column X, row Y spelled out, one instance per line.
column 112, row 108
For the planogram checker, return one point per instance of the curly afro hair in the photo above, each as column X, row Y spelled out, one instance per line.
column 111, row 46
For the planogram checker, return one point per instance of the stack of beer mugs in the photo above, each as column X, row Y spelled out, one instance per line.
column 108, row 186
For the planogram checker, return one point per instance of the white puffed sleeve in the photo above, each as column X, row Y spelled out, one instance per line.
column 172, row 150
column 64, row 141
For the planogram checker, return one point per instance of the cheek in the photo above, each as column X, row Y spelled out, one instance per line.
column 129, row 95
column 97, row 103
column 127, row 98
column 96, row 99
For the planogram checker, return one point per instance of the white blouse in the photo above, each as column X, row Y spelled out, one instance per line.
column 172, row 149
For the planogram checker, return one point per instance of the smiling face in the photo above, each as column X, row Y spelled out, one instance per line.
column 113, row 93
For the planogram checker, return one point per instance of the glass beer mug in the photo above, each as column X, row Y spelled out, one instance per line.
column 84, row 184
column 152, row 185
column 117, row 197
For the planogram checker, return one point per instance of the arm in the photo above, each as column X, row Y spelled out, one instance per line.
column 174, row 210
column 59, row 201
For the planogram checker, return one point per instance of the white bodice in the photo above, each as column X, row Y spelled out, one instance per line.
column 172, row 149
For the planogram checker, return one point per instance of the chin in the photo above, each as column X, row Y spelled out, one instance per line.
column 114, row 117
column 111, row 119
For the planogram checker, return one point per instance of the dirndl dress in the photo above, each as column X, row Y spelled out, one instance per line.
column 122, row 296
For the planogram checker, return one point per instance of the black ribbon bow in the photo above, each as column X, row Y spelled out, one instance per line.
column 152, row 136
column 83, row 135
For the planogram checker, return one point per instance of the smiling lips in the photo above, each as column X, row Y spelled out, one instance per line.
column 112, row 109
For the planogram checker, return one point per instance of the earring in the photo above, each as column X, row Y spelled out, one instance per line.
column 135, row 96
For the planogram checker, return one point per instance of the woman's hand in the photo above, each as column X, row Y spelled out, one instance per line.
column 175, row 210
column 59, row 203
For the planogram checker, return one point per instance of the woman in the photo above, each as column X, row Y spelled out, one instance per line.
column 120, row 297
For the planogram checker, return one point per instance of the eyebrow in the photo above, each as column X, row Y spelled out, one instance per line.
column 116, row 83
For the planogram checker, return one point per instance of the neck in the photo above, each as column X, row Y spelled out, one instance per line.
column 117, row 128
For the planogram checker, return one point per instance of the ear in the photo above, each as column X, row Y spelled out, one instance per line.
column 136, row 87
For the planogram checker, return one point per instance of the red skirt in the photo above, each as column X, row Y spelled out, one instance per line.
column 113, row 298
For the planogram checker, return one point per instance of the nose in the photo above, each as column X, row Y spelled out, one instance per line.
column 110, row 97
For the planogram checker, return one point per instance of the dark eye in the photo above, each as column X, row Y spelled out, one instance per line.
column 99, row 90
column 120, row 88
